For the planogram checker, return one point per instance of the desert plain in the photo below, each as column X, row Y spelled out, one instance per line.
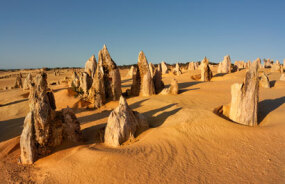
column 187, row 142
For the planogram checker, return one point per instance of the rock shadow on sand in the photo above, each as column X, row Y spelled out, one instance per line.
column 267, row 106
column 105, row 113
column 264, row 108
column 11, row 128
column 11, row 103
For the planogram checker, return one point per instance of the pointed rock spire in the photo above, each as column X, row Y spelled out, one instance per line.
column 123, row 124
column 142, row 82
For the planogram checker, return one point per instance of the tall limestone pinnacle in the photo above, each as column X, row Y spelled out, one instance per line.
column 90, row 66
column 142, row 82
column 107, row 80
column 206, row 73
column 245, row 96
column 45, row 128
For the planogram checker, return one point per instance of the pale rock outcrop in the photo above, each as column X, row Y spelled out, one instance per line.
column 18, row 82
column 164, row 68
column 177, row 70
column 44, row 128
column 123, row 124
column 75, row 81
column 225, row 66
column 248, row 64
column 240, row 65
column 264, row 81
column 267, row 63
column 90, row 66
column 206, row 73
column 97, row 91
column 27, row 142
column 131, row 72
column 106, row 82
column 151, row 69
column 28, row 82
column 276, row 67
column 142, row 81
column 172, row 89
column 192, row 66
column 85, row 82
column 112, row 78
column 244, row 100
column 282, row 77
column 219, row 70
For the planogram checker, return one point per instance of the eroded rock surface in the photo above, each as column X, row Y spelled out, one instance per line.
column 206, row 73
column 18, row 82
column 123, row 124
column 90, row 66
column 142, row 81
column 225, row 66
column 177, row 70
column 244, row 100
column 264, row 81
column 164, row 68
column 28, row 82
column 106, row 83
column 44, row 128
column 172, row 89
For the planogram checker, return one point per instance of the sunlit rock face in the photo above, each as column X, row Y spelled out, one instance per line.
column 45, row 128
column 264, row 81
column 106, row 83
column 206, row 73
column 142, row 81
column 123, row 124
column 90, row 66
column 244, row 100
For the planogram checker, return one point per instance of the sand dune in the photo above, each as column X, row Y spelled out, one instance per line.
column 187, row 141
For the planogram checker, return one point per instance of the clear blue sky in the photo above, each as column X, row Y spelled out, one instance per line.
column 58, row 33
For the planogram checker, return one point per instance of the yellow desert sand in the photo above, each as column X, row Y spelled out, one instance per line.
column 186, row 142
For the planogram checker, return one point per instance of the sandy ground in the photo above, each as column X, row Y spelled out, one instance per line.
column 187, row 142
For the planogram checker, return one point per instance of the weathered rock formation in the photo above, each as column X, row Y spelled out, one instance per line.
column 131, row 72
column 282, row 77
column 85, row 83
column 28, row 82
column 123, row 124
column 157, row 80
column 90, row 66
column 276, row 67
column 248, row 64
column 164, row 68
column 225, row 66
column 142, row 81
column 172, row 89
column 45, row 128
column 192, row 66
column 264, row 81
column 18, row 82
column 267, row 63
column 75, row 81
column 243, row 108
column 112, row 78
column 240, row 65
column 151, row 69
column 206, row 73
column 106, row 82
column 177, row 70
column 97, row 91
